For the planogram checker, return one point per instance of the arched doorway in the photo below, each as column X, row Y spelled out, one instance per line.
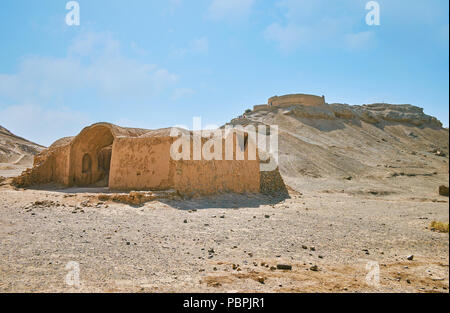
column 90, row 156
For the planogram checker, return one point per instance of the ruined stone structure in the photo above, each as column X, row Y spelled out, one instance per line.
column 290, row 100
column 106, row 155
column 296, row 99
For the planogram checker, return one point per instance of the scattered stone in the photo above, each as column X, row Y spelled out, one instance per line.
column 185, row 221
column 267, row 216
column 443, row 191
column 314, row 268
column 284, row 267
column 261, row 279
column 410, row 257
column 304, row 247
column 312, row 249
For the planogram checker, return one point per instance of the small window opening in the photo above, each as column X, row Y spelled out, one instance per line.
column 87, row 164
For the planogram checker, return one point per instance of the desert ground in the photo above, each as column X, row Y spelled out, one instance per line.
column 228, row 243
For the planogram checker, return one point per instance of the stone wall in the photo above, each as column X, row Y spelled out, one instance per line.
column 271, row 183
column 261, row 107
column 299, row 99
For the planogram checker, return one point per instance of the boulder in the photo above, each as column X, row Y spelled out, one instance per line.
column 443, row 191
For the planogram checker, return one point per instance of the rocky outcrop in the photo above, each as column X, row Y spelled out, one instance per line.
column 314, row 112
column 402, row 113
column 15, row 149
column 369, row 113
column 443, row 191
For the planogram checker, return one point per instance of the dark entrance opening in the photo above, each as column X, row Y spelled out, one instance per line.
column 104, row 165
column 87, row 164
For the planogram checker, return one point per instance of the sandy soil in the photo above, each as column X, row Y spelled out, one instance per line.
column 230, row 243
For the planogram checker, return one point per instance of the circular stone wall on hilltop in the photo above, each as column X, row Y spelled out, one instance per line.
column 294, row 99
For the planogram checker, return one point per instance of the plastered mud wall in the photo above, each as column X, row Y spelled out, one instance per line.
column 141, row 164
column 146, row 164
column 238, row 175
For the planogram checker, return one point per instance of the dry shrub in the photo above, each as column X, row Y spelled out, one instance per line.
column 439, row 226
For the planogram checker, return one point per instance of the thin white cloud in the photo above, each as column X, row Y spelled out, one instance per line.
column 360, row 41
column 181, row 93
column 42, row 125
column 195, row 46
column 138, row 50
column 229, row 9
column 93, row 44
column 288, row 38
column 173, row 6
column 94, row 62
column 317, row 24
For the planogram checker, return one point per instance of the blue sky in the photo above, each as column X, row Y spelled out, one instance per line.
column 155, row 64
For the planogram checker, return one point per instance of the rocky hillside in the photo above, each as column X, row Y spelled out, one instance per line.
column 376, row 149
column 16, row 153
